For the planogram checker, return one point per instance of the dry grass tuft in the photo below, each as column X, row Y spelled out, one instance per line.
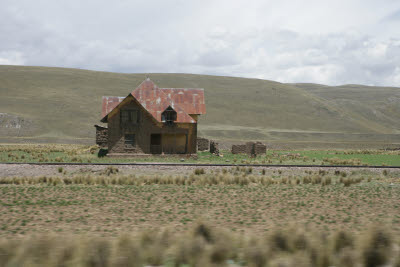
column 204, row 245
column 110, row 170
column 199, row 171
column 234, row 176
column 377, row 250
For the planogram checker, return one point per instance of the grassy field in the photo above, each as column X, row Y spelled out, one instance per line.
column 236, row 198
column 43, row 104
column 343, row 157
column 89, row 154
column 220, row 216
column 229, row 216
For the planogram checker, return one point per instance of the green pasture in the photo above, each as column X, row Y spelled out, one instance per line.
column 90, row 154
column 369, row 157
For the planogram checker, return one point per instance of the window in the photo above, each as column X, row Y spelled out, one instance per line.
column 130, row 116
column 169, row 115
column 130, row 140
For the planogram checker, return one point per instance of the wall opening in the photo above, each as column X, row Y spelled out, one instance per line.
column 155, row 144
column 174, row 143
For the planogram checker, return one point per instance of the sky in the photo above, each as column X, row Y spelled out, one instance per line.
column 311, row 41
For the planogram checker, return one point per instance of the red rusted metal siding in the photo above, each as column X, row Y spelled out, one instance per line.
column 155, row 100
column 190, row 99
column 109, row 103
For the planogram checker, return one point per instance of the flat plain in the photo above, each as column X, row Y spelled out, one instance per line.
column 234, row 198
column 56, row 153
column 198, row 216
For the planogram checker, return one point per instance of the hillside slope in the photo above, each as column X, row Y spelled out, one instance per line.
column 377, row 106
column 62, row 105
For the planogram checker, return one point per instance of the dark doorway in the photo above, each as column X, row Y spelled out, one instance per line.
column 155, row 143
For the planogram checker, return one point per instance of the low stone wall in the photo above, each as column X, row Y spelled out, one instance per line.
column 238, row 149
column 101, row 136
column 203, row 144
column 250, row 148
column 260, row 148
column 214, row 148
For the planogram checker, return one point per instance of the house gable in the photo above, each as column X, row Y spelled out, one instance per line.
column 126, row 101
column 186, row 102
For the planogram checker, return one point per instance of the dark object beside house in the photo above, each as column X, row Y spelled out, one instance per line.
column 151, row 120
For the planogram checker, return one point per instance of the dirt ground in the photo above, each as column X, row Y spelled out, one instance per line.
column 114, row 209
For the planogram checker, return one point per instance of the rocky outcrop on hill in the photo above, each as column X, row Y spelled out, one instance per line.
column 16, row 126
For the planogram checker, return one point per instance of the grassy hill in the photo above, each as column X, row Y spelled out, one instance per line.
column 378, row 107
column 42, row 104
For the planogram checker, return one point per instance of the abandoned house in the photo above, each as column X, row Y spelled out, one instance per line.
column 151, row 120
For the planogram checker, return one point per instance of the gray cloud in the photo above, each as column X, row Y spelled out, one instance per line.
column 392, row 16
column 269, row 41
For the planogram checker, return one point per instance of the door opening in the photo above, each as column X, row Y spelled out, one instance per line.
column 155, row 143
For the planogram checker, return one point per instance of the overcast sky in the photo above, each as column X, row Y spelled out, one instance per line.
column 329, row 42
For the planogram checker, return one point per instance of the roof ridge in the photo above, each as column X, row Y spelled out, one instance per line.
column 171, row 102
column 192, row 88
column 145, row 80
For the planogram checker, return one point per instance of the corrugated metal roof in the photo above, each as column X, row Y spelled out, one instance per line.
column 109, row 103
column 155, row 100
column 190, row 99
